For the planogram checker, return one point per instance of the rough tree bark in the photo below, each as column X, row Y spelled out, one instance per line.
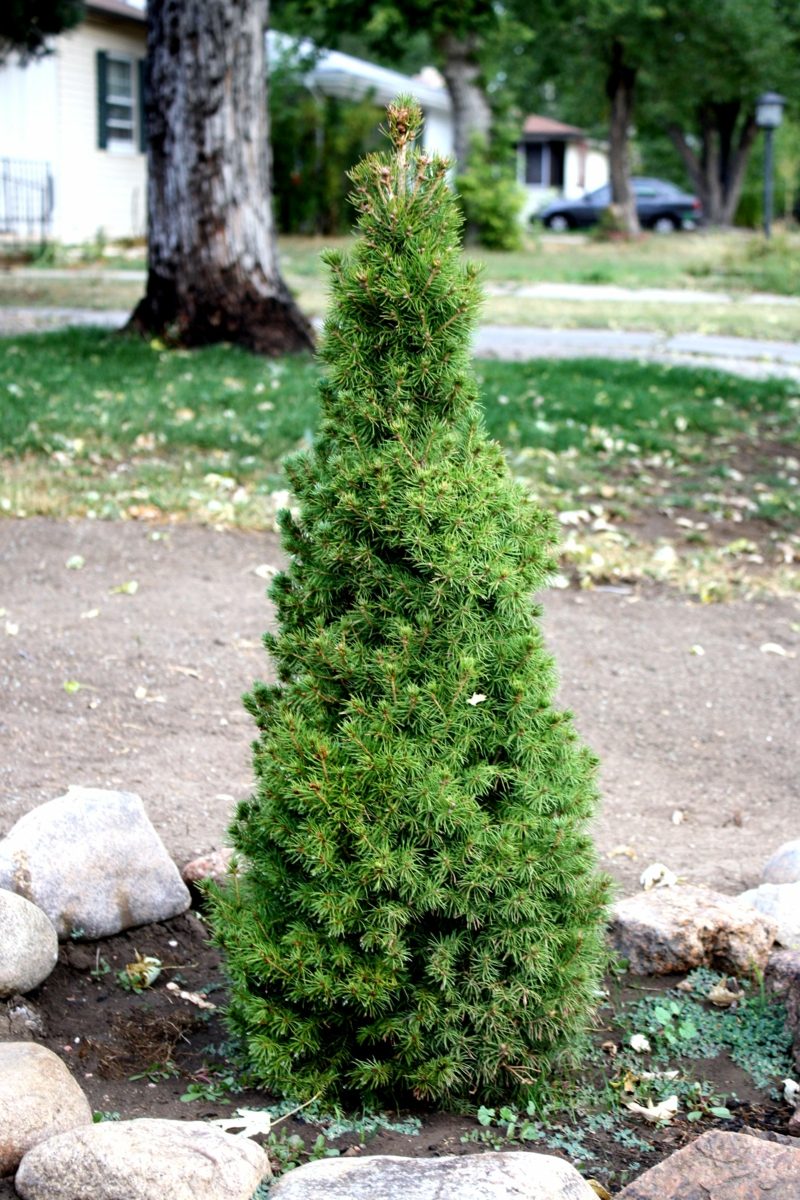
column 471, row 112
column 212, row 259
column 620, row 84
column 717, row 172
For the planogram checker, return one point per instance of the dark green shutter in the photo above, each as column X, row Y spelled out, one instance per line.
column 102, row 103
column 142, row 119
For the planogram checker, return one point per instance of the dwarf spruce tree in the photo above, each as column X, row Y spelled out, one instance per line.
column 418, row 910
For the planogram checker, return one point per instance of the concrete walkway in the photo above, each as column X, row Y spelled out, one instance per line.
column 748, row 357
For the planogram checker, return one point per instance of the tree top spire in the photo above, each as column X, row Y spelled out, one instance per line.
column 404, row 118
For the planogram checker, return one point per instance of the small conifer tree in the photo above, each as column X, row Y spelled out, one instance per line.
column 418, row 910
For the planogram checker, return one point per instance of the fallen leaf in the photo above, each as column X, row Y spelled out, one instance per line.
column 723, row 995
column 265, row 571
column 125, row 589
column 598, row 1188
column 774, row 648
column 657, row 875
column 191, row 997
column 610, row 1048
column 75, row 563
column 246, row 1122
column 190, row 671
column 574, row 517
column 143, row 972
column 655, row 1113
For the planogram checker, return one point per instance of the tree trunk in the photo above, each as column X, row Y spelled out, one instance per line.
column 212, row 258
column 620, row 84
column 717, row 174
column 471, row 112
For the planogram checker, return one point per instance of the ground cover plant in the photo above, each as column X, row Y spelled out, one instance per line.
column 136, row 1052
column 637, row 458
column 417, row 911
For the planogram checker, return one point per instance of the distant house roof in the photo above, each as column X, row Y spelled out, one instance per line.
column 545, row 127
column 119, row 8
column 349, row 78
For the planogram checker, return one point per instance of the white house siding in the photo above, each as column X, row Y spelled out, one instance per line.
column 437, row 132
column 95, row 190
column 28, row 105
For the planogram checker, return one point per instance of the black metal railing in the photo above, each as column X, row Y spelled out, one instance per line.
column 26, row 199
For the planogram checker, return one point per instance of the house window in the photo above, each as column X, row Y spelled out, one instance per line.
column 534, row 162
column 120, row 121
column 544, row 164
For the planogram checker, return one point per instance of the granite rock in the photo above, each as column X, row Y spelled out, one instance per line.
column 28, row 944
column 683, row 927
column 780, row 902
column 38, row 1099
column 490, row 1176
column 93, row 862
column 142, row 1160
column 784, row 866
column 722, row 1166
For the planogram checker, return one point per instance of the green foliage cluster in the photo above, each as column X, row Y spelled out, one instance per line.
column 491, row 199
column 26, row 26
column 419, row 911
column 315, row 141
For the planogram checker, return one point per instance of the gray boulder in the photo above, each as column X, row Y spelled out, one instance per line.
column 490, row 1176
column 28, row 944
column 93, row 862
column 784, row 866
column 142, row 1160
column 781, row 903
column 679, row 928
column 38, row 1099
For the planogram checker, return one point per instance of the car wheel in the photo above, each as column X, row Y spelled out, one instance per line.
column 665, row 224
column 558, row 223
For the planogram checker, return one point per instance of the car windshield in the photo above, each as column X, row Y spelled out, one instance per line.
column 601, row 195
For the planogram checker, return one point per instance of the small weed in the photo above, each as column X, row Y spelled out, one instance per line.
column 101, row 968
column 100, row 1115
column 211, row 1091
column 157, row 1072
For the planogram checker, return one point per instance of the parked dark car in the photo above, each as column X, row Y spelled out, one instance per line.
column 661, row 206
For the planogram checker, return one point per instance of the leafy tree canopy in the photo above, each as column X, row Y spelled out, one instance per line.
column 25, row 25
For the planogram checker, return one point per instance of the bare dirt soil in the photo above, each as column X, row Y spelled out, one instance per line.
column 686, row 710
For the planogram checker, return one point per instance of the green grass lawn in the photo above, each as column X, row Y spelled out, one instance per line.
column 736, row 262
column 630, row 454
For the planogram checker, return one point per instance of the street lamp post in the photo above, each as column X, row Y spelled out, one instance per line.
column 769, row 112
